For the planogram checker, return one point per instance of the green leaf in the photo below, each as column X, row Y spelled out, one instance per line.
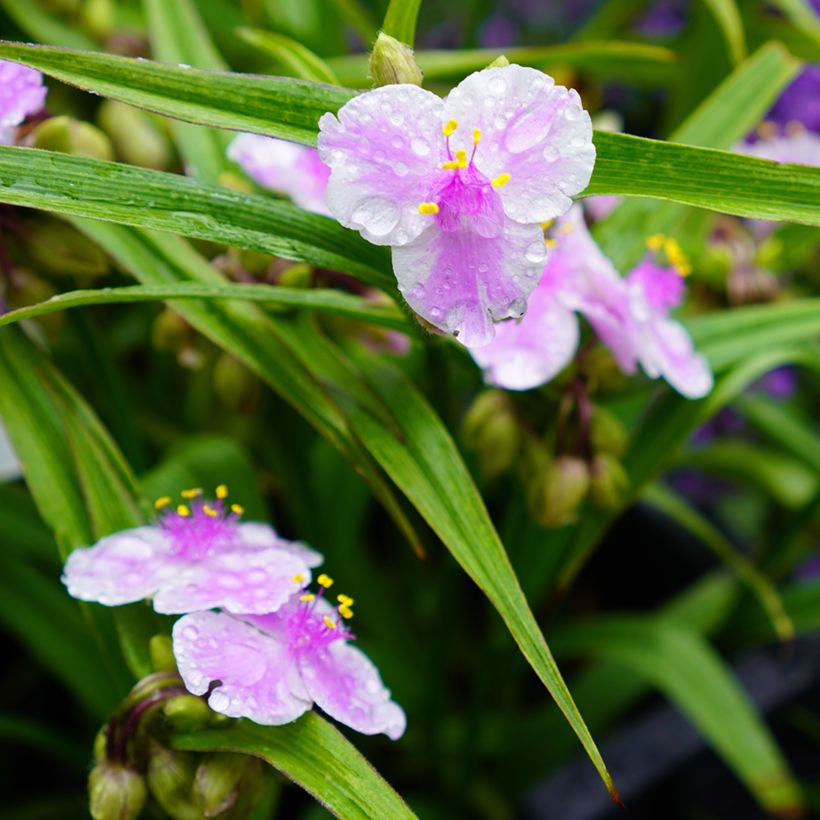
column 325, row 301
column 735, row 107
column 298, row 60
column 400, row 20
column 358, row 18
column 802, row 16
column 693, row 676
column 76, row 186
column 706, row 178
column 613, row 57
column 728, row 19
column 314, row 755
column 688, row 517
column 178, row 36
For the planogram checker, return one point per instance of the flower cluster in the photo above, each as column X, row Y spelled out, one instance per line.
column 630, row 315
column 252, row 638
column 22, row 94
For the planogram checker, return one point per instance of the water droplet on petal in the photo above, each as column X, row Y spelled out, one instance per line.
column 536, row 252
column 377, row 214
column 219, row 701
column 400, row 169
column 420, row 147
column 497, row 85
column 550, row 153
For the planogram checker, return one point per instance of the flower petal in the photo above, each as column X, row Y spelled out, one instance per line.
column 672, row 355
column 462, row 282
column 262, row 536
column 259, row 678
column 383, row 151
column 239, row 581
column 533, row 130
column 121, row 568
column 529, row 353
column 21, row 93
column 295, row 170
column 344, row 682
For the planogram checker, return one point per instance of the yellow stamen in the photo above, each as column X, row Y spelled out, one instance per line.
column 766, row 130
column 677, row 258
column 550, row 243
column 655, row 241
column 183, row 510
column 324, row 580
column 476, row 136
column 794, row 128
column 238, row 509
column 191, row 493
column 450, row 165
column 428, row 208
column 344, row 600
column 329, row 624
column 501, row 179
column 461, row 156
column 547, row 224
column 222, row 491
column 308, row 596
column 567, row 228
column 449, row 128
column 209, row 511
column 298, row 578
column 345, row 611
column 162, row 502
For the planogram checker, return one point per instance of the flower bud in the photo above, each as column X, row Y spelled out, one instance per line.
column 170, row 331
column 217, row 781
column 187, row 712
column 499, row 62
column 29, row 289
column 608, row 482
column 56, row 248
column 491, row 430
column 296, row 276
column 235, row 383
column 115, row 792
column 607, row 434
column 392, row 62
column 555, row 499
column 98, row 17
column 161, row 650
column 70, row 136
column 170, row 777
column 136, row 137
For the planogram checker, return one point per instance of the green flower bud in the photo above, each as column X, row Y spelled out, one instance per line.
column 392, row 62
column 296, row 276
column 187, row 712
column 161, row 649
column 98, row 17
column 499, row 62
column 607, row 434
column 217, row 781
column 556, row 498
column 170, row 332
column 56, row 248
column 29, row 289
column 135, row 135
column 491, row 430
column 236, row 385
column 768, row 252
column 115, row 792
column 170, row 778
column 70, row 136
column 608, row 482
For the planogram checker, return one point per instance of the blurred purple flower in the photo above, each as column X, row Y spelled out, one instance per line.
column 498, row 32
column 665, row 18
column 800, row 102
column 273, row 668
column 22, row 93
column 197, row 556
column 283, row 166
column 457, row 187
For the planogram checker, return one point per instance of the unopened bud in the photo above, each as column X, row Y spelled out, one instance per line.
column 58, row 249
column 602, row 371
column 98, row 17
column 135, row 135
column 392, row 62
column 236, row 385
column 30, row 289
column 217, row 781
column 491, row 430
column 499, row 62
column 608, row 482
column 170, row 778
column 555, row 499
column 115, row 792
column 296, row 276
column 70, row 136
column 161, row 650
column 607, row 434
column 170, row 331
column 185, row 713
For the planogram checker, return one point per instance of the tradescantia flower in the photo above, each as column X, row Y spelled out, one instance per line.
column 22, row 93
column 197, row 556
column 283, row 166
column 459, row 186
column 272, row 668
column 630, row 315
column 795, row 145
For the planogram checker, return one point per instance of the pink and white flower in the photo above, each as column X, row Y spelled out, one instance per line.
column 283, row 166
column 22, row 93
column 630, row 315
column 459, row 186
column 800, row 146
column 197, row 556
column 272, row 668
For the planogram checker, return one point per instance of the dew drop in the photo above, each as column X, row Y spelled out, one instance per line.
column 550, row 153
column 400, row 169
column 377, row 214
column 572, row 113
column 218, row 701
column 497, row 85
column 420, row 147
column 536, row 252
column 190, row 632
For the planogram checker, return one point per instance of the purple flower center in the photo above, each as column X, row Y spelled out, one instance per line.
column 467, row 199
column 200, row 528
column 662, row 287
column 309, row 626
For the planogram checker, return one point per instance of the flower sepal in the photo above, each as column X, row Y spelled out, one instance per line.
column 392, row 62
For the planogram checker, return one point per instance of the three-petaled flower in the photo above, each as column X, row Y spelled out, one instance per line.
column 459, row 186
column 630, row 315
